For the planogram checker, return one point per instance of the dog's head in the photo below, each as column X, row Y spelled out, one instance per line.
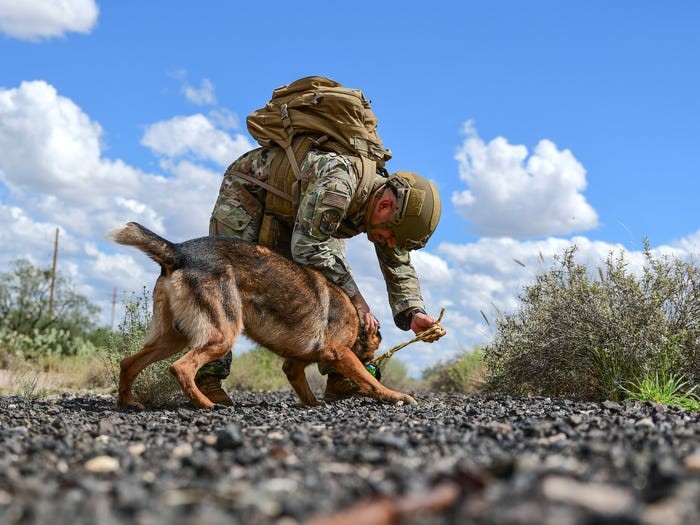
column 366, row 344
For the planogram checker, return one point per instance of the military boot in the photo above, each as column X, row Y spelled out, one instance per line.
column 211, row 387
column 339, row 387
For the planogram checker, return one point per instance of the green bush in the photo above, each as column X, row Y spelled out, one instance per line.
column 395, row 375
column 49, row 342
column 154, row 386
column 463, row 374
column 33, row 324
column 261, row 370
column 257, row 369
column 583, row 336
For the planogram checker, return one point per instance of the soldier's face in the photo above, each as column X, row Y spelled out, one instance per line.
column 381, row 215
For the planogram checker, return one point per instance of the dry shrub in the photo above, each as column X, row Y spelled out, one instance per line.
column 587, row 336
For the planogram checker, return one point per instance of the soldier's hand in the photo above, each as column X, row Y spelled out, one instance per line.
column 371, row 323
column 421, row 322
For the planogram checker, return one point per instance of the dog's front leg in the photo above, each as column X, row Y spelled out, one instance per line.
column 345, row 361
column 294, row 369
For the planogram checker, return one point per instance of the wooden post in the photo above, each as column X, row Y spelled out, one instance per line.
column 53, row 276
column 114, row 305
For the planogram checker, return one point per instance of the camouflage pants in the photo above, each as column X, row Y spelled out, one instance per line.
column 239, row 212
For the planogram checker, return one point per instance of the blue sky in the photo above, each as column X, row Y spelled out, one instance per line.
column 543, row 123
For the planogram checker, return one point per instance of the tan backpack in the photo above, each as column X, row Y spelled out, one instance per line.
column 320, row 113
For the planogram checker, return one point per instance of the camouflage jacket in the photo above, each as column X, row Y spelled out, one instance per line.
column 322, row 221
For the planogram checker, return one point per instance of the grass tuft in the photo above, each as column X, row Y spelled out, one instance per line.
column 665, row 388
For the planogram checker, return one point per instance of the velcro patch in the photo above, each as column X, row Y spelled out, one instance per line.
column 330, row 220
column 335, row 199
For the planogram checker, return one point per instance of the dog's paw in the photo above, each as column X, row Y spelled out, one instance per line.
column 130, row 405
column 406, row 399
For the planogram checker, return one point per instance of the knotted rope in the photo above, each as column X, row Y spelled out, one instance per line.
column 435, row 330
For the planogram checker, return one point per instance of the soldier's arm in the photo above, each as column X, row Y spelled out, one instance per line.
column 402, row 285
column 404, row 291
column 322, row 207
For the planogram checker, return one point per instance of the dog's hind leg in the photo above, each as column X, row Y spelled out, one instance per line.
column 346, row 362
column 156, row 349
column 294, row 369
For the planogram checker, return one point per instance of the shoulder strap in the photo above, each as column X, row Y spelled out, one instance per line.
column 366, row 172
column 264, row 185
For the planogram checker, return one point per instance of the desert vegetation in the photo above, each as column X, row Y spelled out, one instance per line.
column 604, row 333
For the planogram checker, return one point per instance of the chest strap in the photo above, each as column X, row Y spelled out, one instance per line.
column 263, row 185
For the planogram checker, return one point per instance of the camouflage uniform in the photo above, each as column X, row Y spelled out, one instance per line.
column 315, row 237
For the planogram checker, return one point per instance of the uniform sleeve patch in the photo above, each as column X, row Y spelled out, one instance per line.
column 335, row 199
column 330, row 220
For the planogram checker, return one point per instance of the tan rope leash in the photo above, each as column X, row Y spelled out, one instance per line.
column 436, row 329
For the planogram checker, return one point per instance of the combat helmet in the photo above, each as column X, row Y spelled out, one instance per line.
column 417, row 210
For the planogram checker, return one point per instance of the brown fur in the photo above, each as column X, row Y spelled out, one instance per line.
column 212, row 289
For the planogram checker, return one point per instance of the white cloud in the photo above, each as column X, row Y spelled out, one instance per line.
column 195, row 135
column 690, row 244
column 36, row 19
column 184, row 200
column 49, row 143
column 53, row 173
column 512, row 195
column 21, row 236
column 200, row 96
column 224, row 118
column 54, row 168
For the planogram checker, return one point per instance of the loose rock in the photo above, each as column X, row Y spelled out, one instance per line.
column 268, row 460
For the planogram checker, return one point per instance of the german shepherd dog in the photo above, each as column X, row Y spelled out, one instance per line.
column 212, row 289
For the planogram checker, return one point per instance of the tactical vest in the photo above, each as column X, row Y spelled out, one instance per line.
column 283, row 191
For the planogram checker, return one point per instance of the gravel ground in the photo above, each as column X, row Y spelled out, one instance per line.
column 451, row 459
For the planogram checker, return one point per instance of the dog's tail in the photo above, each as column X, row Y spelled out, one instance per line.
column 160, row 250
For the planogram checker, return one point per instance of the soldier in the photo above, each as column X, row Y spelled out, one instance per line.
column 398, row 212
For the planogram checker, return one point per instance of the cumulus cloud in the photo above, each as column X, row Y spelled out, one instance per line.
column 48, row 142
column 512, row 194
column 53, row 164
column 195, row 135
column 37, row 19
column 690, row 244
column 53, row 173
column 23, row 237
column 202, row 95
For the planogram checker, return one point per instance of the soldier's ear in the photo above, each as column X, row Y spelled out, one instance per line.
column 385, row 203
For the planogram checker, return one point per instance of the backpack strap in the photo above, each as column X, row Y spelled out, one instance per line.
column 263, row 185
column 287, row 145
column 365, row 168
column 366, row 173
